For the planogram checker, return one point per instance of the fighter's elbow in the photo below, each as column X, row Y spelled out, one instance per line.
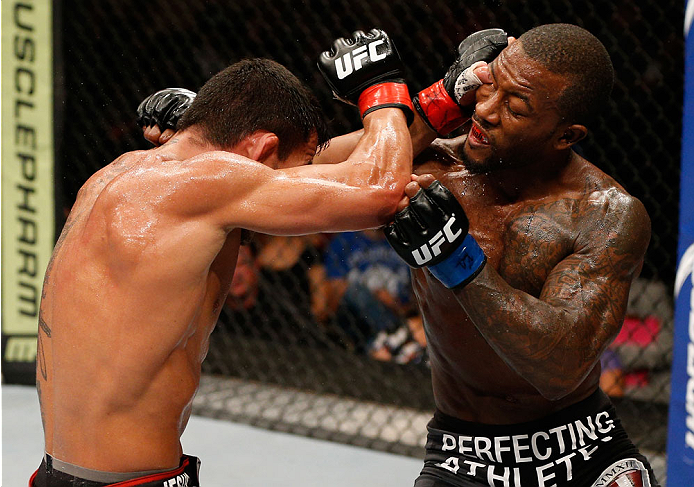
column 386, row 202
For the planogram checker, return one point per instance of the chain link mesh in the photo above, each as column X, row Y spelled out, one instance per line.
column 290, row 351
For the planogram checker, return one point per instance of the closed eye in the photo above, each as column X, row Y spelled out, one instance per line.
column 512, row 112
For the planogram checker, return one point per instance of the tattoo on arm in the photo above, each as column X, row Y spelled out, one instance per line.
column 555, row 339
column 44, row 334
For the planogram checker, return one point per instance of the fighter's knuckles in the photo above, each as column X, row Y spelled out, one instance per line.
column 338, row 45
column 166, row 136
column 416, row 199
column 411, row 189
column 426, row 180
column 481, row 70
column 153, row 135
column 358, row 35
column 437, row 192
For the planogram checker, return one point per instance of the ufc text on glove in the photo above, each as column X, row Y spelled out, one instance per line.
column 433, row 232
column 367, row 71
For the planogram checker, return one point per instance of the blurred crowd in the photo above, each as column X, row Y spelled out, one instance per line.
column 352, row 290
column 352, row 287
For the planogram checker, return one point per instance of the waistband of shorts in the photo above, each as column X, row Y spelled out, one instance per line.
column 89, row 476
column 596, row 402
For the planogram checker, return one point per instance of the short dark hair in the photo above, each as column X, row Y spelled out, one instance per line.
column 257, row 94
column 575, row 53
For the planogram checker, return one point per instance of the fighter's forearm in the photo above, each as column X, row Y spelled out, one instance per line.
column 421, row 134
column 342, row 146
column 549, row 346
column 383, row 155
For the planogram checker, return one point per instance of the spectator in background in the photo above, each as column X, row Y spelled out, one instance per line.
column 612, row 374
column 285, row 290
column 270, row 293
column 365, row 287
column 243, row 292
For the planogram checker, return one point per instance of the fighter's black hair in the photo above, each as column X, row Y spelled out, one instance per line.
column 572, row 51
column 257, row 94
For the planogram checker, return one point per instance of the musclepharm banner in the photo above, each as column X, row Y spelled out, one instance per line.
column 681, row 417
column 28, row 226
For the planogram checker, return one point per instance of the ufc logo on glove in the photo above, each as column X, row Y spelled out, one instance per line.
column 366, row 71
column 424, row 234
column 352, row 61
column 426, row 252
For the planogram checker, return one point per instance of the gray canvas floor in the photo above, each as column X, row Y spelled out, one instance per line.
column 232, row 454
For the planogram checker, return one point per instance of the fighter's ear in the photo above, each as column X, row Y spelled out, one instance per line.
column 260, row 145
column 571, row 134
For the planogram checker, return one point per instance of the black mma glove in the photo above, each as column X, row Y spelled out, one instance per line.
column 164, row 108
column 366, row 70
column 439, row 104
column 433, row 231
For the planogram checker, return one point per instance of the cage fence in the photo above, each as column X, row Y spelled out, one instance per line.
column 305, row 343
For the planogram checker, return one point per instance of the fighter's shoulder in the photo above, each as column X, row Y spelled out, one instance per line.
column 102, row 181
column 200, row 169
column 609, row 212
column 601, row 191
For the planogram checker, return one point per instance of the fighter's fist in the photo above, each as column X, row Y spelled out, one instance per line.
column 366, row 70
column 433, row 231
column 439, row 104
column 164, row 108
column 484, row 45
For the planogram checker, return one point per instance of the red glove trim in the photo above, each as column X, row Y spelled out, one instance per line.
column 384, row 95
column 439, row 110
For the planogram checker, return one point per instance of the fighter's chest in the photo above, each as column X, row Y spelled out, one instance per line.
column 523, row 239
column 522, row 242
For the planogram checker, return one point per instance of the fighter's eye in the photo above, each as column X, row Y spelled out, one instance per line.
column 511, row 111
column 515, row 113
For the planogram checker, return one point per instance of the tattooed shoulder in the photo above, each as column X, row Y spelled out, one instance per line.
column 617, row 225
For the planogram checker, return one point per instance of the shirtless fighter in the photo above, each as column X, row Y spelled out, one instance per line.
column 523, row 268
column 143, row 264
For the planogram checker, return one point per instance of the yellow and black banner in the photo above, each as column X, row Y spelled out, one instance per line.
column 28, row 213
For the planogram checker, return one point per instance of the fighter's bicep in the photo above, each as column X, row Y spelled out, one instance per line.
column 592, row 304
column 608, row 254
column 297, row 203
column 588, row 289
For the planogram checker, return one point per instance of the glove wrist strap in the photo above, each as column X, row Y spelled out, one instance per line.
column 440, row 112
column 462, row 266
column 386, row 95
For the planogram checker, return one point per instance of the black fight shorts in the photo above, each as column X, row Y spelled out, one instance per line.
column 186, row 475
column 583, row 445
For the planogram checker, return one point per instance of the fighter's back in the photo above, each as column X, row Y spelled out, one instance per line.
column 130, row 297
column 533, row 239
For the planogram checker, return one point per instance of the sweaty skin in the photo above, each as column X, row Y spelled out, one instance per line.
column 144, row 263
column 563, row 240
column 524, row 338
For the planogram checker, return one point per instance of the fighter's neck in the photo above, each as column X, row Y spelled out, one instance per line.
column 186, row 144
column 534, row 180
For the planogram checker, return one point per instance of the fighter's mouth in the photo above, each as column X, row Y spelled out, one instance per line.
column 478, row 136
